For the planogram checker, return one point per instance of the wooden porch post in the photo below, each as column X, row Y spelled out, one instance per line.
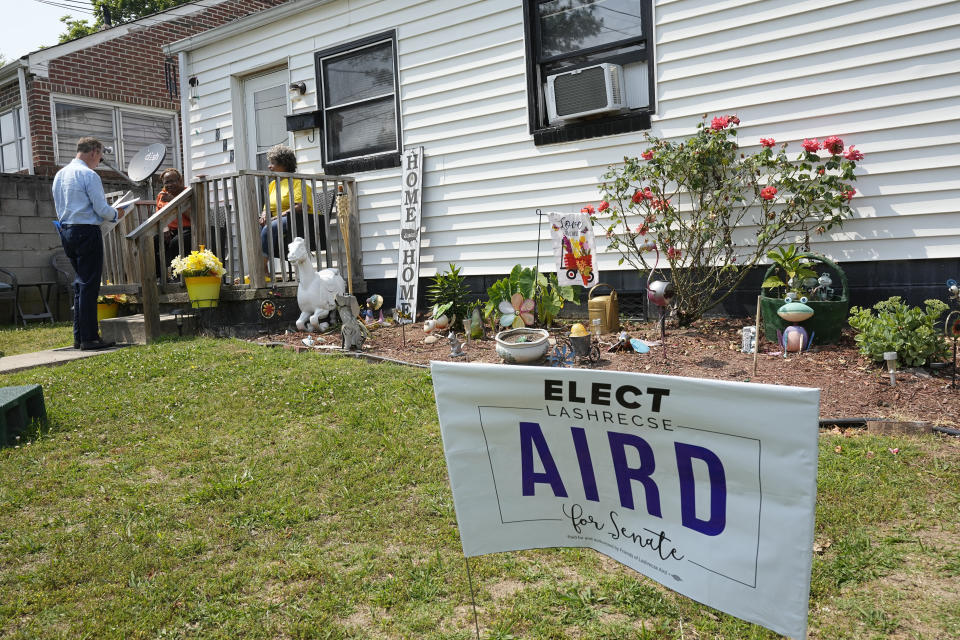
column 250, row 229
column 148, row 288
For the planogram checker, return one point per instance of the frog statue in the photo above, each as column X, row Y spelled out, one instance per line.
column 794, row 338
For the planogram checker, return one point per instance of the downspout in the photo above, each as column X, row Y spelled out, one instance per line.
column 25, row 118
column 185, row 117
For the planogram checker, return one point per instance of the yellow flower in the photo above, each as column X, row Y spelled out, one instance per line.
column 198, row 263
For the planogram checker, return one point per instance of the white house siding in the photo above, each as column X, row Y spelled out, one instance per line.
column 883, row 75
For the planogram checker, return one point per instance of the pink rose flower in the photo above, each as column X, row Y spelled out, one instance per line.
column 768, row 142
column 850, row 194
column 637, row 196
column 673, row 253
column 853, row 154
column 734, row 119
column 642, row 229
column 587, row 209
column 720, row 122
column 647, row 155
column 660, row 205
column 833, row 144
column 768, row 193
column 603, row 206
column 811, row 145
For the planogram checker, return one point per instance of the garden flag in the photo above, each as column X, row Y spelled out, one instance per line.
column 572, row 235
column 706, row 486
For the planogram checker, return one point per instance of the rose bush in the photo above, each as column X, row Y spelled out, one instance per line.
column 712, row 211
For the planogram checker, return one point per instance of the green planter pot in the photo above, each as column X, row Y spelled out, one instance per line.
column 829, row 316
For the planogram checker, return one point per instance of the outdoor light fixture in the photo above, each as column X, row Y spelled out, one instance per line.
column 194, row 94
column 297, row 89
column 890, row 357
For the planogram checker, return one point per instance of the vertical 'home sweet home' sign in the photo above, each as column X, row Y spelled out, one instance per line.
column 408, row 264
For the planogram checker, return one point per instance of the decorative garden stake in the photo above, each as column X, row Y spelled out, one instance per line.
column 317, row 291
column 890, row 357
column 951, row 326
column 660, row 293
column 794, row 339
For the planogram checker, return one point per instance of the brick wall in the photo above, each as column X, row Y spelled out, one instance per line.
column 28, row 238
column 128, row 69
column 9, row 96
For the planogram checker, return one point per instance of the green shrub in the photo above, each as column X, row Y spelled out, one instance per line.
column 448, row 293
column 910, row 331
column 526, row 281
column 711, row 210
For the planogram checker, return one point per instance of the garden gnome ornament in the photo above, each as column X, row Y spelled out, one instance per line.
column 794, row 338
column 373, row 305
column 317, row 290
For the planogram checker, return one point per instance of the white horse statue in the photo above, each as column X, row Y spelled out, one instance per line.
column 316, row 294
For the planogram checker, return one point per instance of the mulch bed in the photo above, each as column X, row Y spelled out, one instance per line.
column 852, row 387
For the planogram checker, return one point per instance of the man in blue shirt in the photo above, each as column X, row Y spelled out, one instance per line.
column 81, row 208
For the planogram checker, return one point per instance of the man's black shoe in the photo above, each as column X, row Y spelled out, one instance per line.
column 76, row 345
column 96, row 345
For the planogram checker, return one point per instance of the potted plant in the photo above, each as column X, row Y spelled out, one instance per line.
column 798, row 275
column 108, row 305
column 202, row 272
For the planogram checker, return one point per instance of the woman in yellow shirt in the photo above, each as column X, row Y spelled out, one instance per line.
column 282, row 159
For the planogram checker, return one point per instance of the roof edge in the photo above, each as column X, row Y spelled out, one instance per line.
column 251, row 21
column 9, row 70
column 43, row 56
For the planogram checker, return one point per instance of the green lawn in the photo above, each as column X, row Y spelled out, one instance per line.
column 36, row 337
column 218, row 489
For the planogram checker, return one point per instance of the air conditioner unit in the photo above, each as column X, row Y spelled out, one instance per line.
column 586, row 91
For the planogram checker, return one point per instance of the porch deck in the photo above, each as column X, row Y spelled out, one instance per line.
column 223, row 213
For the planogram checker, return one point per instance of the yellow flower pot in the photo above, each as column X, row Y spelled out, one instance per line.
column 107, row 310
column 204, row 291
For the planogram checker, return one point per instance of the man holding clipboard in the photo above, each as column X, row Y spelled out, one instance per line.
column 81, row 208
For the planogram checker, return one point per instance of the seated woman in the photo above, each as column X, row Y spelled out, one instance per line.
column 282, row 159
column 172, row 186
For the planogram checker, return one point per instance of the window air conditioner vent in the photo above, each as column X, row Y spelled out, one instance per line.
column 584, row 92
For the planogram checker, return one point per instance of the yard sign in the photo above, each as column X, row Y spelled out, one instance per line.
column 573, row 249
column 408, row 269
column 707, row 487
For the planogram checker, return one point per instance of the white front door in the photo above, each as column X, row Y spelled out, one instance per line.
column 265, row 102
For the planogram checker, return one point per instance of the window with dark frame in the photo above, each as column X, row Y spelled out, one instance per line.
column 565, row 35
column 358, row 97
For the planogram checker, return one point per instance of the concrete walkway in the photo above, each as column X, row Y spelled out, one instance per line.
column 21, row 361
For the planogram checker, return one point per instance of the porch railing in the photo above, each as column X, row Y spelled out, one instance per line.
column 225, row 216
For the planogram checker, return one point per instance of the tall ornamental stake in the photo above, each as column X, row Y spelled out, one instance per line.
column 951, row 326
column 408, row 264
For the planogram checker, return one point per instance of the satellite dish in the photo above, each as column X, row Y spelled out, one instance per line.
column 146, row 162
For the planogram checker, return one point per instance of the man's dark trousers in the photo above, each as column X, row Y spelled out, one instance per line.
column 83, row 244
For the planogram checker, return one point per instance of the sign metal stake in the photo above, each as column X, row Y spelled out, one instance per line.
column 473, row 599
